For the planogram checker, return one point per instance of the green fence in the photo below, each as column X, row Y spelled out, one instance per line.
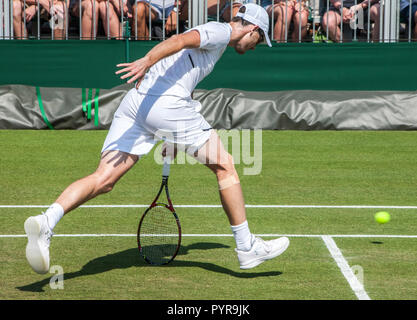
column 305, row 66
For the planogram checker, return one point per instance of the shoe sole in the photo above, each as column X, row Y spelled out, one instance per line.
column 34, row 256
column 257, row 262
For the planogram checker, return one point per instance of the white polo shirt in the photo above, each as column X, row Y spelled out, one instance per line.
column 162, row 107
column 178, row 74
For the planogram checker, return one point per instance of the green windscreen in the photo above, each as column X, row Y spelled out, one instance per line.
column 305, row 66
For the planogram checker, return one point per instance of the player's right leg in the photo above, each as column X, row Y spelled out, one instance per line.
column 251, row 250
column 113, row 165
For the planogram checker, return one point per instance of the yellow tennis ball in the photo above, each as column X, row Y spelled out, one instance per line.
column 382, row 217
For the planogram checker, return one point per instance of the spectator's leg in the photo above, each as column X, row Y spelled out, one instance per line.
column 59, row 32
column 415, row 24
column 140, row 25
column 139, row 21
column 211, row 6
column 121, row 7
column 183, row 8
column 114, row 25
column 226, row 13
column 282, row 24
column 331, row 20
column 75, row 11
column 297, row 21
column 375, row 16
column 87, row 18
column 18, row 26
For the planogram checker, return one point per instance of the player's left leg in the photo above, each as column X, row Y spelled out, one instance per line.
column 113, row 165
column 251, row 250
column 126, row 141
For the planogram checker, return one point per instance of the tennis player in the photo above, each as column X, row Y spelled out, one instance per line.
column 160, row 107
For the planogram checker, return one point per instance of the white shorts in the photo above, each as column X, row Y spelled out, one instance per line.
column 143, row 120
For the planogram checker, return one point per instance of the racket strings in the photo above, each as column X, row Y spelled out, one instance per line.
column 159, row 235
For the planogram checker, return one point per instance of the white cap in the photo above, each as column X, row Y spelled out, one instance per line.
column 256, row 15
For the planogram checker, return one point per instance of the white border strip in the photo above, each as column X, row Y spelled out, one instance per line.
column 219, row 206
column 228, row 235
column 341, row 262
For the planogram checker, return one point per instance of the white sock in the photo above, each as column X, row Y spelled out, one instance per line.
column 54, row 213
column 243, row 237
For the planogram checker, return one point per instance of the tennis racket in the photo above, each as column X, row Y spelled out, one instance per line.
column 159, row 231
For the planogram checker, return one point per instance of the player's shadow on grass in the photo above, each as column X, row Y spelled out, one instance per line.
column 131, row 258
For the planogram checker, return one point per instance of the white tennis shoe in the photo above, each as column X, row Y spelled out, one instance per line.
column 39, row 238
column 261, row 251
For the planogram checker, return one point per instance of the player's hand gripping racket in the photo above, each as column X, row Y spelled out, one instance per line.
column 159, row 232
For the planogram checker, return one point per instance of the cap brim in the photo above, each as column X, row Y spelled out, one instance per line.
column 256, row 23
column 267, row 38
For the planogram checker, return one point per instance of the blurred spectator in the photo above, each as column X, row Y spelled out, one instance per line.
column 222, row 7
column 107, row 10
column 405, row 15
column 116, row 27
column 332, row 19
column 158, row 10
column 56, row 11
column 285, row 12
column 19, row 28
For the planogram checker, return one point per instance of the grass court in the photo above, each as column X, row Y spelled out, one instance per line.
column 320, row 188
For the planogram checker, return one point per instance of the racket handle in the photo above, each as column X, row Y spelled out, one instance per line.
column 167, row 164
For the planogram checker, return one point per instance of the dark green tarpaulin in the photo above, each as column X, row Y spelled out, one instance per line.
column 67, row 108
column 72, row 85
column 305, row 66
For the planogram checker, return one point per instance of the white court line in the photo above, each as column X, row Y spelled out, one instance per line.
column 347, row 272
column 354, row 283
column 228, row 235
column 219, row 206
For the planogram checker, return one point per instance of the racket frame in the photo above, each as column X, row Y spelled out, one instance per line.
column 170, row 207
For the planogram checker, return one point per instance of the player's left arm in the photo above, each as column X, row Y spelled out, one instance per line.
column 136, row 70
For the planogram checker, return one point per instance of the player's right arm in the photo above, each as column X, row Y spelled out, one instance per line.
column 136, row 70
